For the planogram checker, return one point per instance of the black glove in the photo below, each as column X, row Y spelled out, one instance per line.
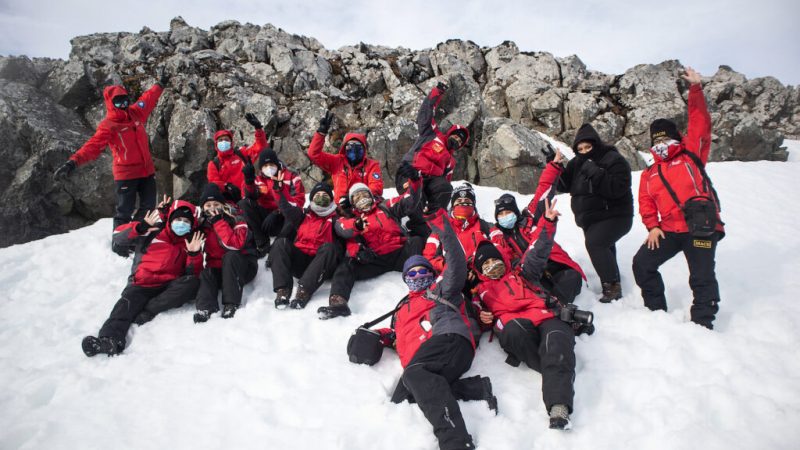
column 325, row 123
column 583, row 328
column 249, row 172
column 65, row 170
column 253, row 120
column 360, row 224
column 344, row 203
column 365, row 255
column 232, row 192
column 142, row 227
column 163, row 76
column 441, row 87
column 549, row 153
column 590, row 170
column 408, row 171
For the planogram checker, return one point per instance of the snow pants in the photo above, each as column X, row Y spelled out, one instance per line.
column 699, row 254
column 436, row 192
column 548, row 349
column 562, row 281
column 262, row 222
column 127, row 192
column 286, row 262
column 237, row 270
column 601, row 239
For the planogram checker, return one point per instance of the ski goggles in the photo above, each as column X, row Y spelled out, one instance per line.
column 120, row 101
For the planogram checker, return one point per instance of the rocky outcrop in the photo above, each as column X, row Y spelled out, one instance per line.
column 48, row 108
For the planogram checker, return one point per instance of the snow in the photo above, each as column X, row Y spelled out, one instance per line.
column 281, row 379
column 794, row 149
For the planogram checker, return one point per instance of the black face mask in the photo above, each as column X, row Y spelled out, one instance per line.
column 453, row 143
column 120, row 101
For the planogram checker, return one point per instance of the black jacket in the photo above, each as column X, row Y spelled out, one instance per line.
column 599, row 182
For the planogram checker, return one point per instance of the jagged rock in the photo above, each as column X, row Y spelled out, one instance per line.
column 72, row 84
column 512, row 157
column 191, row 146
column 458, row 56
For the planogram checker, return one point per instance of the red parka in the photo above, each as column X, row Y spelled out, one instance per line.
column 224, row 235
column 123, row 130
column 226, row 167
column 161, row 256
column 656, row 205
column 263, row 190
column 470, row 232
column 313, row 231
column 343, row 175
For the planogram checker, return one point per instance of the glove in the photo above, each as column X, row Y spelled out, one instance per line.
column 142, row 227
column 253, row 120
column 325, row 123
column 365, row 255
column 590, row 170
column 441, row 87
column 163, row 76
column 583, row 328
column 233, row 192
column 65, row 170
column 549, row 153
column 408, row 171
column 344, row 203
column 249, row 172
column 360, row 224
column 213, row 218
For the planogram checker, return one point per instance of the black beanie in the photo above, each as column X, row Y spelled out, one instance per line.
column 324, row 187
column 182, row 212
column 268, row 155
column 211, row 192
column 664, row 127
column 506, row 202
column 485, row 251
column 463, row 191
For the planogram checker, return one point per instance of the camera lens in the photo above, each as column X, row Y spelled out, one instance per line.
column 583, row 316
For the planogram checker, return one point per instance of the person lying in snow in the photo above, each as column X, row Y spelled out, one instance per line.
column 231, row 260
column 435, row 341
column 167, row 261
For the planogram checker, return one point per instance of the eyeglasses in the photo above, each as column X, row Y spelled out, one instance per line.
column 413, row 273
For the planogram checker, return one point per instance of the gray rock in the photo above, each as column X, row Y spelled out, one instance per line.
column 512, row 157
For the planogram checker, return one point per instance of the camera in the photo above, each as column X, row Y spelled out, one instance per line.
column 570, row 313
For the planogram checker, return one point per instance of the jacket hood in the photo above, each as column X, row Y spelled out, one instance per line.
column 357, row 137
column 479, row 273
column 112, row 112
column 587, row 133
column 455, row 128
column 218, row 135
column 176, row 205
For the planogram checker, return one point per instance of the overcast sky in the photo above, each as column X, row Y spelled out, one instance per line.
column 755, row 37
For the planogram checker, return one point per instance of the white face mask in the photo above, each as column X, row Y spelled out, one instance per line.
column 269, row 171
column 662, row 149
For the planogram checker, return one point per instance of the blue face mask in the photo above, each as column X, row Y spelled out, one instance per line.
column 354, row 151
column 223, row 146
column 419, row 283
column 507, row 221
column 180, row 228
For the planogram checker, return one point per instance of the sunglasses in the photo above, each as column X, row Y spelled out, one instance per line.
column 414, row 273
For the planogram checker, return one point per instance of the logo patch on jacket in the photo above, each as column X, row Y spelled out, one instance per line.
column 376, row 175
column 437, row 147
column 141, row 104
column 699, row 243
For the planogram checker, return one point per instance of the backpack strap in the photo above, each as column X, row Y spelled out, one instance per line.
column 667, row 186
column 374, row 322
column 706, row 179
column 217, row 163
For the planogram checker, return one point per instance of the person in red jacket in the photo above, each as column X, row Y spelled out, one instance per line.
column 376, row 242
column 514, row 232
column 527, row 328
column 679, row 166
column 262, row 183
column 348, row 167
column 433, row 336
column 432, row 153
column 163, row 276
column 314, row 252
column 231, row 260
column 225, row 170
column 123, row 131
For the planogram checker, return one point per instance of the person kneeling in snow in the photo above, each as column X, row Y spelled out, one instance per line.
column 435, row 341
column 164, row 273
column 312, row 255
column 527, row 329
column 231, row 260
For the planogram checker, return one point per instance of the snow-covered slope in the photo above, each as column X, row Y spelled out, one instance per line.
column 281, row 379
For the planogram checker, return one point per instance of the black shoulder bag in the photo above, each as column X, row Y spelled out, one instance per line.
column 364, row 346
column 699, row 211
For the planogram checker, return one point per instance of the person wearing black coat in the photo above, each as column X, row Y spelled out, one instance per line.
column 599, row 180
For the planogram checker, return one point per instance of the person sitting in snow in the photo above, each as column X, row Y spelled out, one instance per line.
column 432, row 156
column 314, row 252
column 434, row 339
column 225, row 169
column 123, row 131
column 527, row 329
column 167, row 262
column 348, row 167
column 231, row 260
column 262, row 183
column 376, row 242
column 667, row 188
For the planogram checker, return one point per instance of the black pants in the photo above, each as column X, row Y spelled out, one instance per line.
column 135, row 299
column 127, row 192
column 350, row 270
column 436, row 192
column 286, row 261
column 255, row 216
column 236, row 271
column 562, row 281
column 429, row 377
column 699, row 253
column 548, row 349
column 601, row 239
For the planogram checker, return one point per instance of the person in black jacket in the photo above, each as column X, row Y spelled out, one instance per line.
column 599, row 181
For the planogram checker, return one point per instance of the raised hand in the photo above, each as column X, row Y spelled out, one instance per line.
column 441, row 87
column 361, row 224
column 162, row 75
column 164, row 202
column 65, row 170
column 196, row 244
column 253, row 120
column 691, row 76
column 325, row 123
column 550, row 211
column 559, row 157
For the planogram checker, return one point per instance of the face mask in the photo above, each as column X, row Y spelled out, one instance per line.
column 507, row 221
column 662, row 149
column 494, row 269
column 453, row 142
column 354, row 151
column 321, row 199
column 180, row 227
column 120, row 101
column 463, row 211
column 269, row 171
column 362, row 200
column 223, row 146
column 418, row 283
column 323, row 211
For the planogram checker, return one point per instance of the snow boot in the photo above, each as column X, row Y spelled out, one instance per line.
column 228, row 311
column 611, row 292
column 301, row 299
column 201, row 316
column 93, row 345
column 282, row 298
column 559, row 418
column 143, row 317
column 488, row 395
column 337, row 308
